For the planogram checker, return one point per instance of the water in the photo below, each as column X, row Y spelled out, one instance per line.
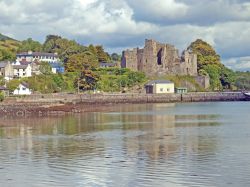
column 192, row 144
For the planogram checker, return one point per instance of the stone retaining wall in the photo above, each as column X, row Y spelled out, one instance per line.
column 133, row 98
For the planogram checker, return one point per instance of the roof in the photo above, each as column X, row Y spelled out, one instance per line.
column 24, row 62
column 37, row 54
column 181, row 88
column 159, row 82
column 3, row 88
column 3, row 64
column 20, row 66
column 56, row 65
column 25, row 84
column 107, row 64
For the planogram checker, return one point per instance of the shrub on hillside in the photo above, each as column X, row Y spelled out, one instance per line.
column 1, row 96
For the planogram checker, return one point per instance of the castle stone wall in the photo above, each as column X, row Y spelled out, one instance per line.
column 203, row 81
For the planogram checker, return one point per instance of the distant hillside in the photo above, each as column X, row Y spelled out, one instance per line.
column 8, row 47
column 3, row 37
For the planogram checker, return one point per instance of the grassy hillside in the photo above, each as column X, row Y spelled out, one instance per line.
column 243, row 80
column 8, row 47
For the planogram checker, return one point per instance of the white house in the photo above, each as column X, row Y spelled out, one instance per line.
column 22, row 89
column 159, row 86
column 22, row 70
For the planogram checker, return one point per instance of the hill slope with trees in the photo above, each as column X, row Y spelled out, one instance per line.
column 8, row 48
column 209, row 63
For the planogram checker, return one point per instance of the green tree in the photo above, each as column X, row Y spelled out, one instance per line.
column 209, row 63
column 93, row 49
column 1, row 96
column 6, row 54
column 2, row 81
column 102, row 55
column 64, row 47
column 205, row 53
column 81, row 61
column 227, row 77
column 45, row 68
column 214, row 74
column 12, row 84
column 243, row 80
column 87, row 80
column 115, row 57
column 30, row 45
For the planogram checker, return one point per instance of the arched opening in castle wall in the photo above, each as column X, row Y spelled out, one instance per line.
column 159, row 57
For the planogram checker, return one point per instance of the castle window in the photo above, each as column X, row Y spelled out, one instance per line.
column 159, row 62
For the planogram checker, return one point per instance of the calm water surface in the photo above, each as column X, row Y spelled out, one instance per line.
column 193, row 144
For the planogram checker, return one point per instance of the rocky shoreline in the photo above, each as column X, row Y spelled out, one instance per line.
column 43, row 110
column 56, row 105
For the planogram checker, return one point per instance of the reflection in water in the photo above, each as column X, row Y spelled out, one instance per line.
column 134, row 145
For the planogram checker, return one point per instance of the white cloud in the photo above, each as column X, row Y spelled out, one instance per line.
column 159, row 9
column 119, row 24
column 240, row 64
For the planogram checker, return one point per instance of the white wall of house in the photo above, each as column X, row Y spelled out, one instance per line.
column 31, row 58
column 27, row 72
column 53, row 70
column 22, row 90
column 164, row 88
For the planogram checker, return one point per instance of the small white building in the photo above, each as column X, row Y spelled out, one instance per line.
column 159, row 86
column 22, row 89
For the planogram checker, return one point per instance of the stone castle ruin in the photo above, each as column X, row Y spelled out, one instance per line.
column 157, row 59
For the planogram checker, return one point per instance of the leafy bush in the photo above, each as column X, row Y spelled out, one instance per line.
column 116, row 79
column 1, row 96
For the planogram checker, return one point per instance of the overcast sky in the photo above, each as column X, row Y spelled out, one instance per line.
column 121, row 24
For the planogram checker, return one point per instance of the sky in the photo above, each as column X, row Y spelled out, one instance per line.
column 122, row 24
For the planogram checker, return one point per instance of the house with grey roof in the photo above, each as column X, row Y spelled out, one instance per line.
column 159, row 87
column 107, row 64
column 22, row 89
column 31, row 56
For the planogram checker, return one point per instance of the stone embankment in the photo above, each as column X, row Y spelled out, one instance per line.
column 60, row 104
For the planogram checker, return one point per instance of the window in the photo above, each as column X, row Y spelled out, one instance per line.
column 161, row 89
column 168, row 89
column 24, row 89
column 159, row 62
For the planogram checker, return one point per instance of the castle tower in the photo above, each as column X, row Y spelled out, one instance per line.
column 189, row 63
